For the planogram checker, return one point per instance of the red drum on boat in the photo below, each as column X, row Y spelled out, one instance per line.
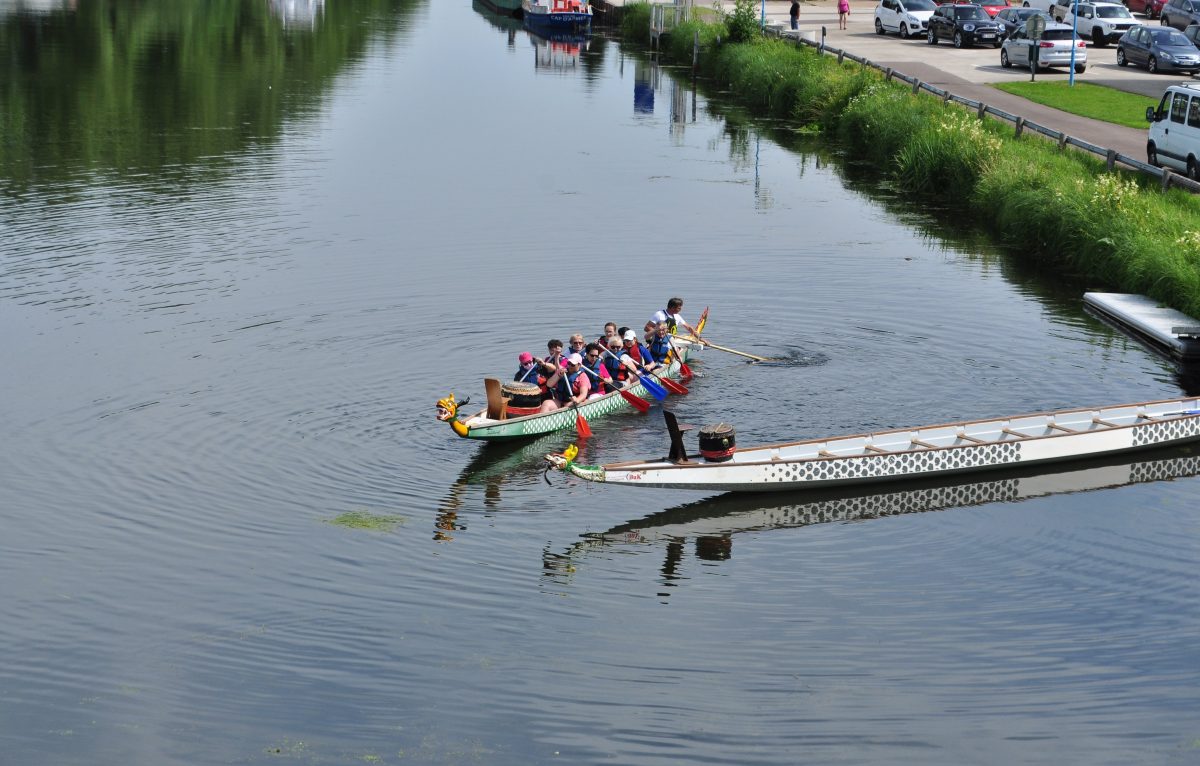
column 717, row 442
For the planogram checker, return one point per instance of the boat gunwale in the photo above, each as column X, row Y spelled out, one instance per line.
column 582, row 408
column 664, row 465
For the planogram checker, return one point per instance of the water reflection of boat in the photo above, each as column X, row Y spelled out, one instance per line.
column 31, row 7
column 297, row 12
column 493, row 466
column 509, row 8
column 557, row 15
column 557, row 50
column 713, row 522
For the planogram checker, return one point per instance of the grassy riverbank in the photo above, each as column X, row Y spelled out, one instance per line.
column 1060, row 208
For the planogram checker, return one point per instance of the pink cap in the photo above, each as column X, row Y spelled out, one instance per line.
column 525, row 357
column 575, row 359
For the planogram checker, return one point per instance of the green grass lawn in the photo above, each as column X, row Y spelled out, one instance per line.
column 1085, row 100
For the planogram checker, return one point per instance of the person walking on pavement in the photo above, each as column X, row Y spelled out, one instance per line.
column 794, row 13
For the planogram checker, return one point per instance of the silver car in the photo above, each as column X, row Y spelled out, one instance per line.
column 1053, row 49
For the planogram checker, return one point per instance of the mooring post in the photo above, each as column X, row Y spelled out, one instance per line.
column 696, row 51
column 1111, row 157
column 1062, row 141
column 822, row 48
column 1020, row 126
column 916, row 86
column 982, row 110
column 1166, row 181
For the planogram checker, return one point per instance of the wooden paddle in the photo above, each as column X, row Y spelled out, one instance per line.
column 755, row 357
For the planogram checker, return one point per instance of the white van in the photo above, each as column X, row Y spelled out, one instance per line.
column 1174, row 139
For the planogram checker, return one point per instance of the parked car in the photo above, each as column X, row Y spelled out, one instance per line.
column 1103, row 22
column 1159, row 50
column 1174, row 138
column 1192, row 33
column 1055, row 47
column 909, row 18
column 1041, row 5
column 1010, row 19
column 991, row 6
column 1151, row 9
column 1180, row 13
column 965, row 25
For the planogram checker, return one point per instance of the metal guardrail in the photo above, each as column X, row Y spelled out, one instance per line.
column 666, row 17
column 1112, row 157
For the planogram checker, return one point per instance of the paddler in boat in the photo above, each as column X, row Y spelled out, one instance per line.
column 635, row 350
column 555, row 358
column 575, row 344
column 660, row 344
column 577, row 383
column 617, row 369
column 596, row 371
column 529, row 369
column 610, row 329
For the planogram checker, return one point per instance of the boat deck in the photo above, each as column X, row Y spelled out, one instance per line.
column 1166, row 329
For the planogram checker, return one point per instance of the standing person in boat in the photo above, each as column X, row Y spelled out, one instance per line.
column 672, row 317
column 636, row 351
column 660, row 344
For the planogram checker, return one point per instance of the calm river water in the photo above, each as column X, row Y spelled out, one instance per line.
column 244, row 248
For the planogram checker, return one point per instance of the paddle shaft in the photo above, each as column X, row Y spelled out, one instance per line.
column 710, row 344
column 657, row 391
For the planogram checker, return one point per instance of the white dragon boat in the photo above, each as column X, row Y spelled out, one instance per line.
column 909, row 453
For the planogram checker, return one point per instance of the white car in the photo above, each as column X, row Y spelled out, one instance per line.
column 1041, row 5
column 1055, row 47
column 1103, row 22
column 1174, row 138
column 908, row 18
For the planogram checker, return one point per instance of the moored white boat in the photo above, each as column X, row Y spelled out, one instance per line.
column 911, row 453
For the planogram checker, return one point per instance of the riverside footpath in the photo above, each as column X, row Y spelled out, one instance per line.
column 971, row 72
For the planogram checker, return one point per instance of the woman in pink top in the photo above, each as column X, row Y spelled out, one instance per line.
column 843, row 13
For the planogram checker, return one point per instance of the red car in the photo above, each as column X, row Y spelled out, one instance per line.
column 991, row 6
column 1152, row 9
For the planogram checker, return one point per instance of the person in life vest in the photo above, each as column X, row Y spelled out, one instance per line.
column 578, row 386
column 529, row 369
column 596, row 371
column 610, row 329
column 660, row 344
column 636, row 351
column 618, row 372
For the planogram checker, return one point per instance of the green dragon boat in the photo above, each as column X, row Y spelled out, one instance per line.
column 491, row 423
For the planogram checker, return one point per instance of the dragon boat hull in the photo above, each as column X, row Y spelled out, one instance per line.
column 480, row 426
column 917, row 453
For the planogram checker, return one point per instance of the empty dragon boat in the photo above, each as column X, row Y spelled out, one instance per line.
column 494, row 422
column 909, row 453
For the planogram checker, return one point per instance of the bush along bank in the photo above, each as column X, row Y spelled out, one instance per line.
column 1062, row 208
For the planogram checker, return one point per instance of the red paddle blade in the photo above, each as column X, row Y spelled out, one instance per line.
column 639, row 404
column 582, row 427
column 672, row 386
column 685, row 371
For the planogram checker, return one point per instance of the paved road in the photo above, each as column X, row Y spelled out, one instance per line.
column 969, row 72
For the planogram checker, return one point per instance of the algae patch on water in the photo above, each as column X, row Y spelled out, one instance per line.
column 374, row 522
